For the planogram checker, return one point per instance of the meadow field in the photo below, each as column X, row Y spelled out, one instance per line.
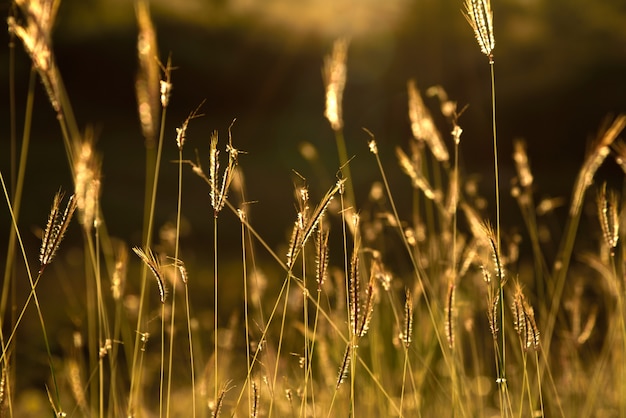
column 199, row 224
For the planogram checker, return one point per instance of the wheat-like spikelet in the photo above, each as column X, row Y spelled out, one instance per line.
column 182, row 270
column 321, row 259
column 36, row 36
column 492, row 314
column 422, row 124
column 147, row 84
column 521, row 164
column 600, row 149
column 256, row 396
column 56, row 227
column 493, row 299
column 608, row 214
column 76, row 384
column 118, row 280
column 3, row 388
column 450, row 312
column 181, row 132
column 524, row 320
column 406, row 335
column 219, row 190
column 151, row 260
column 219, row 402
column 480, row 17
column 87, row 174
column 334, row 73
column 345, row 366
column 354, row 293
column 165, row 84
column 490, row 236
column 368, row 305
column 295, row 241
column 307, row 223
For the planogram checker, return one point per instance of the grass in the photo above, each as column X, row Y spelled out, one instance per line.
column 370, row 311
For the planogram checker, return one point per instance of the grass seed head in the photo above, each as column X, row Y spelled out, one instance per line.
column 480, row 17
column 56, row 227
column 334, row 72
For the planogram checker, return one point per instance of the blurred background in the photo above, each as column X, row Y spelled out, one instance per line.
column 560, row 70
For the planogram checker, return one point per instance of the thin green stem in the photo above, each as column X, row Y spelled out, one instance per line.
column 215, row 314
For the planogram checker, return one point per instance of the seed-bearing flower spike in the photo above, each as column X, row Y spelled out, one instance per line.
column 56, row 227
column 35, row 34
column 450, row 313
column 480, row 17
column 148, row 83
column 422, row 124
column 181, row 133
column 521, row 164
column 407, row 332
column 524, row 321
column 608, row 214
column 219, row 191
column 600, row 149
column 87, row 174
column 335, row 80
column 151, row 260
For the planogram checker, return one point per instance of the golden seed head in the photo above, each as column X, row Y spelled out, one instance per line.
column 480, row 17
column 335, row 80
column 422, row 124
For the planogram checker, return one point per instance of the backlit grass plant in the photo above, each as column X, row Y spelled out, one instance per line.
column 368, row 310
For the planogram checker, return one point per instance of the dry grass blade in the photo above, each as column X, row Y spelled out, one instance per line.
column 150, row 259
column 56, row 227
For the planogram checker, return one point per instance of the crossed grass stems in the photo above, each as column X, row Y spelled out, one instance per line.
column 345, row 333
